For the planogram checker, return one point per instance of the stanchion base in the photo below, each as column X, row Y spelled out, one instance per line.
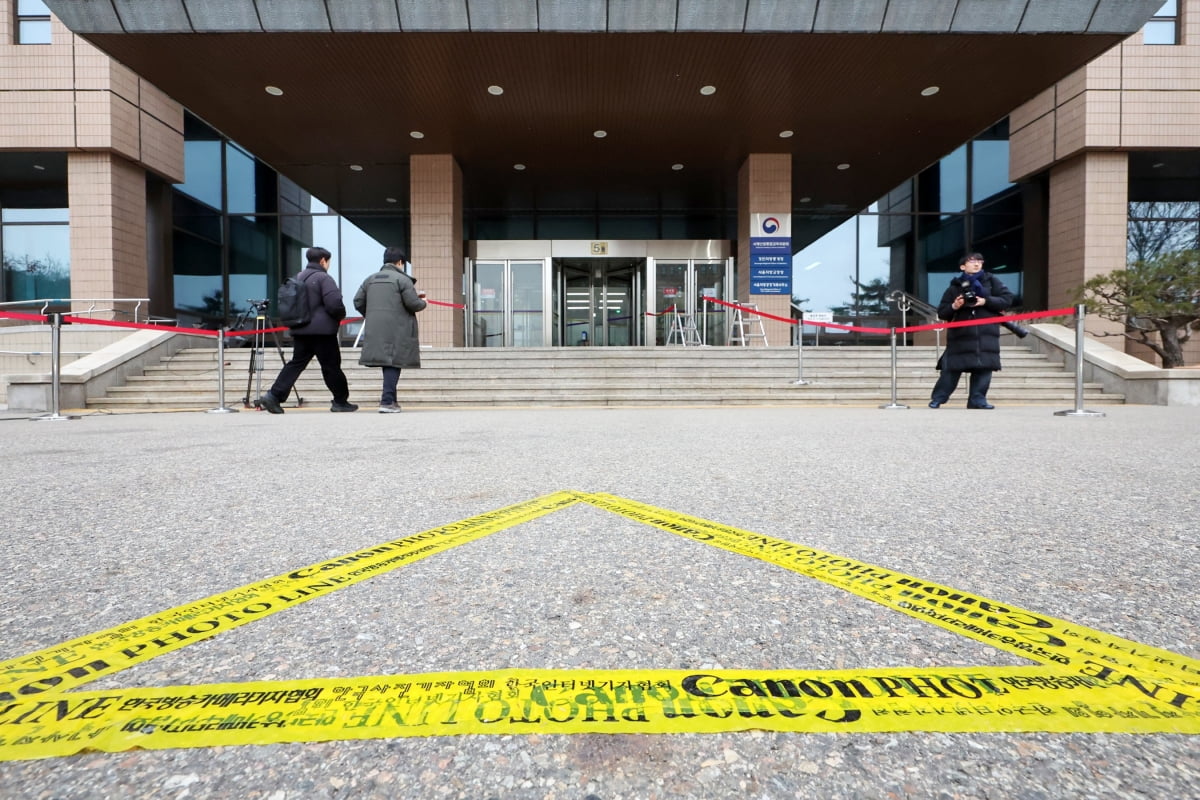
column 53, row 417
column 1079, row 412
column 801, row 382
column 222, row 410
column 894, row 405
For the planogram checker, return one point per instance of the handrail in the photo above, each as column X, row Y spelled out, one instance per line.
column 46, row 302
column 907, row 302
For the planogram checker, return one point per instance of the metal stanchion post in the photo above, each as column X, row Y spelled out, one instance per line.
column 221, row 407
column 1079, row 410
column 55, row 372
column 894, row 404
column 800, row 352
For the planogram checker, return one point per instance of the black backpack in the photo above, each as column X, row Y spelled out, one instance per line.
column 292, row 303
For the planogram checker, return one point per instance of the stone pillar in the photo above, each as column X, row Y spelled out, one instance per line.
column 1089, row 202
column 107, row 195
column 436, row 249
column 764, row 187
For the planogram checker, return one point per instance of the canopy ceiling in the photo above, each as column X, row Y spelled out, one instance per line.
column 845, row 78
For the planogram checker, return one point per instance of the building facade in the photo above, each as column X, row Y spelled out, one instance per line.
column 109, row 188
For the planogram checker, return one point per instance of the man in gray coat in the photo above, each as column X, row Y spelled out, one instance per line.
column 389, row 302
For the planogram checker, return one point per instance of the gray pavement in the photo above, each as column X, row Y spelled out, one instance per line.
column 112, row 517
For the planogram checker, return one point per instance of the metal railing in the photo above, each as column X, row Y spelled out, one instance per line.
column 47, row 302
column 905, row 303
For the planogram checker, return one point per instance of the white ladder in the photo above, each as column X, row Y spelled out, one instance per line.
column 683, row 326
column 747, row 327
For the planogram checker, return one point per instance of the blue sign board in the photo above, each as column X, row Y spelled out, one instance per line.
column 771, row 255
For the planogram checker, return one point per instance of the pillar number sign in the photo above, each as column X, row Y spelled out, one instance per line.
column 771, row 254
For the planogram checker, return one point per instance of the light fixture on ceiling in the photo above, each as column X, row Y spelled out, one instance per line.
column 599, row 134
column 786, row 134
column 356, row 168
column 519, row 167
column 677, row 167
column 40, row 168
column 391, row 199
column 843, row 166
column 274, row 91
column 930, row 91
column 1157, row 165
column 707, row 90
column 496, row 90
column 416, row 134
column 805, row 199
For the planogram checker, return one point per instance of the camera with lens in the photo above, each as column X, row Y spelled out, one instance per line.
column 259, row 305
column 968, row 294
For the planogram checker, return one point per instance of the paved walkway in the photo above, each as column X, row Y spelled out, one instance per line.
column 113, row 517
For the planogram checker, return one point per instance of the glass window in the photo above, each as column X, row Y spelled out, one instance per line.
column 252, row 260
column 989, row 169
column 360, row 254
column 943, row 187
column 823, row 272
column 199, row 289
column 36, row 260
column 33, row 22
column 1163, row 27
column 202, row 171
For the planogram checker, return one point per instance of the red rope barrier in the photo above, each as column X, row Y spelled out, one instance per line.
column 22, row 316
column 667, row 310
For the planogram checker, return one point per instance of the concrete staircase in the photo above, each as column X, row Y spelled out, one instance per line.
column 611, row 376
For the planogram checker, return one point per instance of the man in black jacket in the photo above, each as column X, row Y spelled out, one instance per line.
column 973, row 295
column 318, row 338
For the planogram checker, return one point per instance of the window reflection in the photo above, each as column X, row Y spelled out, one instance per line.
column 36, row 258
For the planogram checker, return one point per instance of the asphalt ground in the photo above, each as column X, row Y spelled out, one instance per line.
column 109, row 518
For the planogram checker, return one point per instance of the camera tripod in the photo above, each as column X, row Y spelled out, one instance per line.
column 258, row 308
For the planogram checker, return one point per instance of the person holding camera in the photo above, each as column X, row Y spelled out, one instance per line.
column 973, row 295
column 389, row 302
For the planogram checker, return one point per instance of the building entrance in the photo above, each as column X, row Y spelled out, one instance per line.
column 551, row 293
column 599, row 302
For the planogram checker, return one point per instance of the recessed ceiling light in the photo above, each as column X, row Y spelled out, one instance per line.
column 930, row 91
column 677, row 167
column 496, row 90
column 416, row 134
column 518, row 167
column 843, row 166
column 786, row 134
column 805, row 199
column 356, row 167
column 1155, row 165
column 274, row 91
column 390, row 199
column 707, row 90
column 40, row 168
column 599, row 134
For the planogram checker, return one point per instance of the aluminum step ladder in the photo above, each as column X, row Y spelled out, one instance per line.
column 746, row 327
column 683, row 326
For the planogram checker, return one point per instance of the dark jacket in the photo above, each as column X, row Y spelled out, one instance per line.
column 973, row 347
column 388, row 300
column 325, row 302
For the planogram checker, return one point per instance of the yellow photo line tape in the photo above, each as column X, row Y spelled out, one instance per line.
column 73, row 663
column 1166, row 677
column 521, row 701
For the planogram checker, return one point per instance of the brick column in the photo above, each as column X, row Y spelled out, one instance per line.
column 1089, row 211
column 107, row 195
column 764, row 187
column 437, row 244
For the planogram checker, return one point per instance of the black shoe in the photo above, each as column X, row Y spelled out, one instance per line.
column 984, row 405
column 346, row 406
column 934, row 404
column 269, row 404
